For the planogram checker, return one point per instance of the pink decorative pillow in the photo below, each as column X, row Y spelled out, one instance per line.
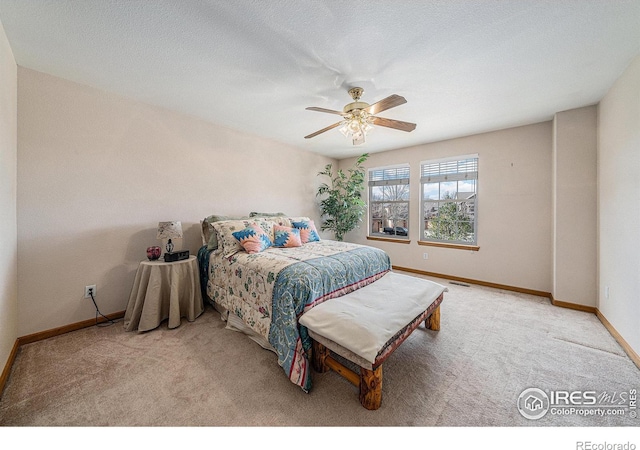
column 308, row 232
column 286, row 237
column 253, row 239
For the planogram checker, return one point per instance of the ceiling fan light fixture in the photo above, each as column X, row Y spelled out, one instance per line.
column 356, row 125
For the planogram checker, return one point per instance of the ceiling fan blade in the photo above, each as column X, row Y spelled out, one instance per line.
column 330, row 111
column 330, row 127
column 386, row 103
column 397, row 124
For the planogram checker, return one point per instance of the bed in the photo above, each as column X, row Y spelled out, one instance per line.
column 264, row 293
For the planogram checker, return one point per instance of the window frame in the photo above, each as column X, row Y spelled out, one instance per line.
column 445, row 176
column 393, row 181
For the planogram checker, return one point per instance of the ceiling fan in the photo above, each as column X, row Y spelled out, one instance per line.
column 359, row 117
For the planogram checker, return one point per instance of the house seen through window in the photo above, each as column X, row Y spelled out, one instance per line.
column 449, row 200
column 389, row 202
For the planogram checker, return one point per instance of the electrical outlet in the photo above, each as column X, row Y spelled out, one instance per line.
column 425, row 256
column 88, row 290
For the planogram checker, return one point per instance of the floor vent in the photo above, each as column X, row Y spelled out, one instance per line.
column 457, row 283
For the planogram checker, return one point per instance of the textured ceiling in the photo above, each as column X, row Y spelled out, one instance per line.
column 464, row 67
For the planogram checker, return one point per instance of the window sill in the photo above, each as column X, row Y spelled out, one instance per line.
column 397, row 241
column 473, row 248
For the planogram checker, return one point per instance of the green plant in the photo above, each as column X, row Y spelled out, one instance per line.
column 343, row 208
column 452, row 222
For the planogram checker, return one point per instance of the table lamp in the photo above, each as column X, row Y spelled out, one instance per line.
column 168, row 231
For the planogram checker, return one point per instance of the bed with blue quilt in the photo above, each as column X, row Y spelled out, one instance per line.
column 264, row 292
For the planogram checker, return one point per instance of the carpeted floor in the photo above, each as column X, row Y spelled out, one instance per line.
column 493, row 345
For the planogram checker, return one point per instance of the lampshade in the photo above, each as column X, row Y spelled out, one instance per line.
column 169, row 230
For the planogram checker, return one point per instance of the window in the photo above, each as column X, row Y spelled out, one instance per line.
column 449, row 200
column 389, row 202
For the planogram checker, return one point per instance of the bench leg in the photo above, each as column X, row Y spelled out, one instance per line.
column 371, row 388
column 433, row 321
column 319, row 357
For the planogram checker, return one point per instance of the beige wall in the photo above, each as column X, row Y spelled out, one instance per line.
column 619, row 205
column 8, row 184
column 97, row 172
column 575, row 206
column 514, row 208
column 93, row 174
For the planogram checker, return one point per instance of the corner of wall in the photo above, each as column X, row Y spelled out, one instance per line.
column 8, row 202
column 574, row 166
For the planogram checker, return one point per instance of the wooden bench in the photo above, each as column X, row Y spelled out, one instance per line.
column 367, row 325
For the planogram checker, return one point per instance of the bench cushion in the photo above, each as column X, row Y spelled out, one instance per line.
column 364, row 321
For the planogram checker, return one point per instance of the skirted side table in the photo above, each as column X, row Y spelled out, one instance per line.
column 164, row 290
